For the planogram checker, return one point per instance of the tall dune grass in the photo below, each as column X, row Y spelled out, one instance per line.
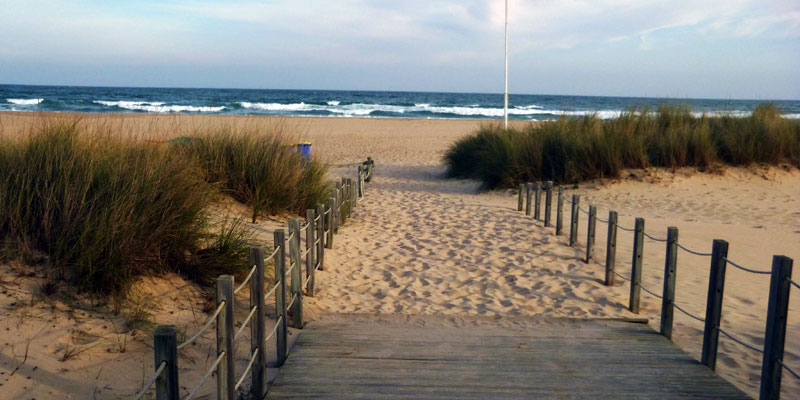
column 261, row 170
column 102, row 209
column 578, row 149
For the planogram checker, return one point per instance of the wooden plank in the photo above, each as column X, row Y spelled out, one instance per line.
column 716, row 286
column 670, row 269
column 361, row 356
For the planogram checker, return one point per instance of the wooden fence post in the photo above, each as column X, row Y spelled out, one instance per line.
column 280, row 296
column 560, row 211
column 548, row 200
column 360, row 181
column 716, row 286
column 320, row 237
column 311, row 251
column 611, row 248
column 668, row 296
column 331, row 221
column 528, row 196
column 636, row 266
column 775, row 334
column 337, row 217
column 165, row 344
column 592, row 224
column 296, row 281
column 370, row 164
column 573, row 222
column 520, row 196
column 257, row 335
column 537, row 203
column 226, row 374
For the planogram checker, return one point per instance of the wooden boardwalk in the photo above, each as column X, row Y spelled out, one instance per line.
column 369, row 356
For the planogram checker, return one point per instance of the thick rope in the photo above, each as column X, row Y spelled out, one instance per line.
column 749, row 346
column 250, row 275
column 211, row 319
column 786, row 367
column 274, row 328
column 687, row 313
column 246, row 370
column 648, row 291
column 753, row 271
column 274, row 252
column 797, row 285
column 271, row 291
column 152, row 380
column 203, row 379
column 688, row 250
column 245, row 322
column 654, row 238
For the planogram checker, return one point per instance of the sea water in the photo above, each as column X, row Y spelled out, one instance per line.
column 350, row 103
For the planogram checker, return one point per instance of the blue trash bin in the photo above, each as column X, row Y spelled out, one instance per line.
column 304, row 148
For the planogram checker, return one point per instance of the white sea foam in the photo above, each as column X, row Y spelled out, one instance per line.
column 158, row 107
column 333, row 103
column 25, row 102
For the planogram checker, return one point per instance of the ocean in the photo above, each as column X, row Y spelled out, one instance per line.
column 349, row 103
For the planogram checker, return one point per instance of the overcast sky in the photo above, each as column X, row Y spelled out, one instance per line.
column 678, row 48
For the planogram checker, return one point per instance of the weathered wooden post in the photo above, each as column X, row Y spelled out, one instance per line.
column 311, row 250
column 296, row 281
column 257, row 335
column 592, row 224
column 537, row 204
column 165, row 344
column 226, row 375
column 716, row 285
column 668, row 296
column 331, row 221
column 370, row 165
column 548, row 200
column 520, row 196
column 337, row 215
column 611, row 247
column 280, row 296
column 636, row 266
column 775, row 334
column 528, row 196
column 560, row 211
column 573, row 222
column 360, row 181
column 320, row 237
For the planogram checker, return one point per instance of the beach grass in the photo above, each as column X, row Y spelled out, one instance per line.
column 101, row 209
column 570, row 149
column 261, row 170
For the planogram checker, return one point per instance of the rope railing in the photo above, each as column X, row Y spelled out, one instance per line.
column 246, row 280
column 151, row 381
column 688, row 250
column 791, row 371
column 311, row 234
column 272, row 291
column 752, row 271
column 274, row 253
column 737, row 340
column 654, row 238
column 650, row 292
column 208, row 322
column 208, row 373
column 275, row 328
column 245, row 322
column 246, row 370
column 778, row 293
column 679, row 308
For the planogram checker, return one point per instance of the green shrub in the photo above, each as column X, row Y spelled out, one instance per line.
column 578, row 149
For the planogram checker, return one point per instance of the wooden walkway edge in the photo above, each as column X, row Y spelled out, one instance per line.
column 395, row 356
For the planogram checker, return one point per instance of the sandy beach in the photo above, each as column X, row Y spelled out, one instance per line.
column 422, row 244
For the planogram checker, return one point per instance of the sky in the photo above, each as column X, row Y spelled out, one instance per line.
column 680, row 48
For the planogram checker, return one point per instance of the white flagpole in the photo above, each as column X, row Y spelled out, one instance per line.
column 505, row 105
